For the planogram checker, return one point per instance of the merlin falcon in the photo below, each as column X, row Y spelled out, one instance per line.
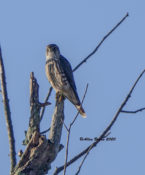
column 60, row 76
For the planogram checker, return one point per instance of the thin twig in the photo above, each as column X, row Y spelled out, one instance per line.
column 66, row 154
column 43, row 132
column 44, row 104
column 46, row 100
column 89, row 148
column 69, row 130
column 133, row 112
column 7, row 114
column 101, row 42
column 107, row 134
column 79, row 169
column 81, row 103
column 65, row 126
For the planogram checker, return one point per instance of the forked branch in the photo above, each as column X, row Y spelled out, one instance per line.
column 133, row 112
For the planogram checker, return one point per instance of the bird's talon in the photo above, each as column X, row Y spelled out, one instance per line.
column 57, row 95
column 60, row 98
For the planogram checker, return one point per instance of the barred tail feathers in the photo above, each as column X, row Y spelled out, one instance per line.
column 81, row 111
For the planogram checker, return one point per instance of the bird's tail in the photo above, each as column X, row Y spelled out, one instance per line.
column 81, row 111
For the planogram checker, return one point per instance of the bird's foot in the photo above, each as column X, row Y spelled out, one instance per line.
column 59, row 97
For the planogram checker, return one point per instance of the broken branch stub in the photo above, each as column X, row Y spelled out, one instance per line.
column 34, row 122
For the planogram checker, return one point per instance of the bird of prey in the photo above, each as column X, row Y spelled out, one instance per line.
column 60, row 76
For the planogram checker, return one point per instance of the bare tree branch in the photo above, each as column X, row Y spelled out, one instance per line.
column 65, row 126
column 56, row 124
column 43, row 132
column 101, row 42
column 133, row 112
column 66, row 154
column 7, row 114
column 81, row 103
column 89, row 148
column 35, row 107
column 69, row 130
column 79, row 169
column 46, row 100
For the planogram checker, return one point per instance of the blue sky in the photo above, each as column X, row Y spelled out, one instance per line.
column 76, row 27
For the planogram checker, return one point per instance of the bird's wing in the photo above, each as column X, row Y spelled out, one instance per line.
column 68, row 71
column 69, row 74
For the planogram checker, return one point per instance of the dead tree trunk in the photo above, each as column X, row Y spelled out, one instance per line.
column 40, row 152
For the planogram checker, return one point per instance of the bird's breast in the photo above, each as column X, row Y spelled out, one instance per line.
column 56, row 76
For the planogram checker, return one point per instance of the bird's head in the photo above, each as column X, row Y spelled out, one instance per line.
column 52, row 51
